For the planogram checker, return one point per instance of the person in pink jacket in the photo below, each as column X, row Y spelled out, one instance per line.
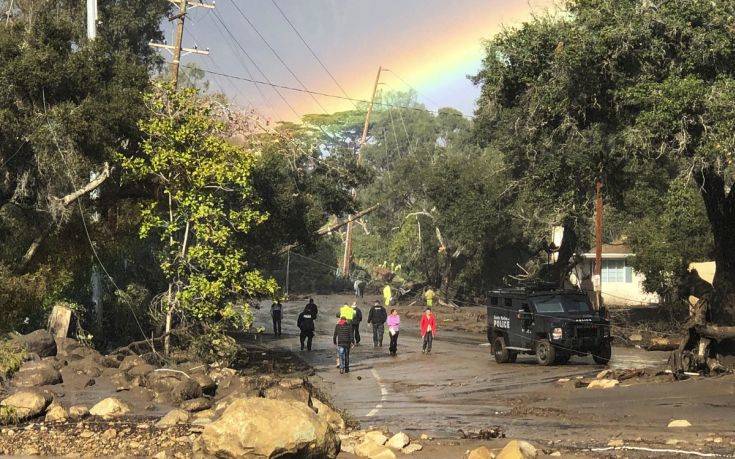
column 394, row 325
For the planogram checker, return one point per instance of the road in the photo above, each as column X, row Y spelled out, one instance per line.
column 459, row 386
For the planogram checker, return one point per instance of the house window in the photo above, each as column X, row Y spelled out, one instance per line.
column 616, row 271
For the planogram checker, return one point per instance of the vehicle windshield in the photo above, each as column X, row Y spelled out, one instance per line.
column 555, row 304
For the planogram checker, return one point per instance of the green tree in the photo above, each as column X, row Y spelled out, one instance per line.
column 205, row 202
column 633, row 92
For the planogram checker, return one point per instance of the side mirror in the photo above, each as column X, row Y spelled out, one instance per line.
column 523, row 315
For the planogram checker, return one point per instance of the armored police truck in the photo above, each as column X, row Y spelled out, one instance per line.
column 551, row 324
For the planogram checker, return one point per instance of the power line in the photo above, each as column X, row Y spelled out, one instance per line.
column 438, row 105
column 275, row 53
column 311, row 50
column 335, row 96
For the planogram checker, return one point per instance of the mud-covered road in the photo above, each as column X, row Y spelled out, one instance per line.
column 459, row 386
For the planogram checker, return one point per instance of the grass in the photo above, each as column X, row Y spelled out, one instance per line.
column 11, row 358
column 8, row 415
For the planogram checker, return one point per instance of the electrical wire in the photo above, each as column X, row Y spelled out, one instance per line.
column 278, row 56
column 311, row 50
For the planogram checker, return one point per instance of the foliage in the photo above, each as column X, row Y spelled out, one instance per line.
column 11, row 358
column 205, row 203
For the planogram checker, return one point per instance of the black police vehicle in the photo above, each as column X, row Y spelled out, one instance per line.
column 551, row 324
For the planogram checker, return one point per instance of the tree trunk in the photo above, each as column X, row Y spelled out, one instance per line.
column 559, row 271
column 720, row 206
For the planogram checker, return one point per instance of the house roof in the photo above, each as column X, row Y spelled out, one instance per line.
column 614, row 250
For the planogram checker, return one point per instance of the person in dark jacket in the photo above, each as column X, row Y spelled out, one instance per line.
column 343, row 338
column 276, row 315
column 305, row 322
column 356, row 319
column 377, row 317
column 311, row 308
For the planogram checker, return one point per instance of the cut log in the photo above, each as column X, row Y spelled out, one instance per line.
column 716, row 332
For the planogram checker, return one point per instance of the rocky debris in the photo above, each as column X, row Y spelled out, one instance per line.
column 517, row 449
column 615, row 442
column 412, row 448
column 249, row 429
column 373, row 450
column 325, row 412
column 56, row 413
column 209, row 387
column 299, row 393
column 171, row 386
column 39, row 342
column 78, row 412
column 603, row 384
column 663, row 344
column 398, row 441
column 36, row 374
column 196, row 404
column 678, row 423
column 141, row 370
column 110, row 407
column 174, row 417
column 376, row 437
column 130, row 361
column 25, row 404
column 481, row 453
column 487, row 433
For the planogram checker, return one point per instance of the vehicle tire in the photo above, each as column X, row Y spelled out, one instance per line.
column 603, row 354
column 545, row 353
column 502, row 354
column 562, row 358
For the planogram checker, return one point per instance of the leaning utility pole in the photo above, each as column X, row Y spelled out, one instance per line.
column 91, row 19
column 177, row 48
column 346, row 265
column 597, row 277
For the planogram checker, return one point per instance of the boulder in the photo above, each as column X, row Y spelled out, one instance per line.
column 110, row 361
column 615, row 442
column 38, row 342
column 196, row 404
column 56, row 413
column 78, row 412
column 172, row 386
column 27, row 404
column 481, row 453
column 376, row 437
column 173, row 417
column 130, row 361
column 372, row 450
column 517, row 449
column 325, row 412
column 301, row 394
column 207, row 384
column 412, row 448
column 603, row 383
column 398, row 441
column 87, row 365
column 35, row 374
column 263, row 428
column 677, row 423
column 141, row 370
column 110, row 407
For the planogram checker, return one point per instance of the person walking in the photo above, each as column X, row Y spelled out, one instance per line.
column 429, row 295
column 343, row 339
column 394, row 325
column 305, row 322
column 387, row 295
column 276, row 315
column 359, row 288
column 428, row 330
column 377, row 317
column 311, row 309
column 356, row 319
column 348, row 314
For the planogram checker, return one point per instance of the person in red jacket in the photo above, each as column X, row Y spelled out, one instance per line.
column 428, row 330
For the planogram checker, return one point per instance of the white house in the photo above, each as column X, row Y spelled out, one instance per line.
column 621, row 284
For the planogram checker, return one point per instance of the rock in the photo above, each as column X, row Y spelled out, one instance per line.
column 325, row 412
column 376, row 437
column 425, row 437
column 370, row 449
column 201, row 421
column 412, row 448
column 130, row 361
column 263, row 428
column 141, row 370
column 673, row 441
column 36, row 374
column 78, row 412
column 615, row 442
column 481, row 453
column 172, row 386
column 662, row 344
column 291, row 383
column 207, row 384
column 196, row 404
column 301, row 394
column 38, row 342
column 637, row 337
column 518, row 449
column 173, row 417
column 26, row 404
column 110, row 361
column 398, row 441
column 603, row 384
column 110, row 407
column 108, row 434
column 604, row 374
column 211, row 414
column 679, row 423
column 555, row 454
column 56, row 413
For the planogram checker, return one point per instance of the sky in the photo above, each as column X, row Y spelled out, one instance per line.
column 428, row 45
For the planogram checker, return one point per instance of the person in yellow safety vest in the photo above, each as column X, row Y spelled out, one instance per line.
column 387, row 294
column 346, row 312
column 429, row 297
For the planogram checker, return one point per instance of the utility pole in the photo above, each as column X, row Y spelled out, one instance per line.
column 288, row 270
column 346, row 265
column 177, row 48
column 91, row 19
column 597, row 277
column 9, row 13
